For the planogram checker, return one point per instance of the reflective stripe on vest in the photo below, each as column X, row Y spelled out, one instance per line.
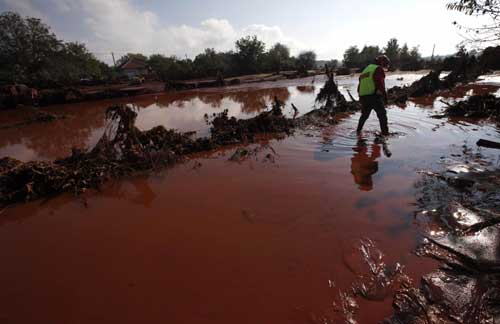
column 366, row 82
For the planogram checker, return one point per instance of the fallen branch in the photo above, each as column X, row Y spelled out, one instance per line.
column 446, row 103
column 488, row 144
column 350, row 96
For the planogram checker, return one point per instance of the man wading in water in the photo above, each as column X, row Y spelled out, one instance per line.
column 372, row 94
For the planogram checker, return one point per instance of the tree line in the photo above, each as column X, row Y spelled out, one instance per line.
column 250, row 57
column 402, row 57
column 31, row 54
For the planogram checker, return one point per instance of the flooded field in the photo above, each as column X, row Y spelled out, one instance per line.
column 270, row 239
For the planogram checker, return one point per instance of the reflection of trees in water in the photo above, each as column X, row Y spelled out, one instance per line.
column 254, row 101
column 214, row 100
column 137, row 191
column 306, row 89
column 55, row 139
column 179, row 100
column 251, row 101
column 175, row 98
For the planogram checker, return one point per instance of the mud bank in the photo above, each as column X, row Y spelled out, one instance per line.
column 10, row 99
column 13, row 96
column 242, row 80
column 459, row 212
column 458, row 215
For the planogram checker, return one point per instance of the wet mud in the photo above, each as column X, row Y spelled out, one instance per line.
column 315, row 227
column 14, row 96
column 459, row 215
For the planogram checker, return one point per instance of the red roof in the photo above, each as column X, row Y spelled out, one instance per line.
column 133, row 64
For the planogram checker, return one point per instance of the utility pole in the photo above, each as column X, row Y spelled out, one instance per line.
column 113, row 55
column 433, row 48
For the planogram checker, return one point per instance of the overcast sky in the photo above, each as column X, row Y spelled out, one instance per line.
column 187, row 27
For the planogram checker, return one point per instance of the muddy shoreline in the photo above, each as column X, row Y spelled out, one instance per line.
column 78, row 94
column 459, row 207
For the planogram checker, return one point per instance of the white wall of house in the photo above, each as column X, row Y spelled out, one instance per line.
column 134, row 73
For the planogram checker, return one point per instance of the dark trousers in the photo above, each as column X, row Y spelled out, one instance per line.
column 376, row 103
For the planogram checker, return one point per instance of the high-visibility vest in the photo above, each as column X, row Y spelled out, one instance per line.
column 366, row 82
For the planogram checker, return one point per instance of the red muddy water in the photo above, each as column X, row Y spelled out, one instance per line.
column 271, row 239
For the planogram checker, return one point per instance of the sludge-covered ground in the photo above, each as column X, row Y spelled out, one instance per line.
column 280, row 235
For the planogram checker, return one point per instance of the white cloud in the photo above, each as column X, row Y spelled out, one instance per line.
column 26, row 8
column 271, row 35
column 63, row 6
column 118, row 26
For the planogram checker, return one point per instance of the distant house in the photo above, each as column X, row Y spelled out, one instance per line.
column 133, row 67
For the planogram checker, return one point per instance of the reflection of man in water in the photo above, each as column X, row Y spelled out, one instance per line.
column 364, row 166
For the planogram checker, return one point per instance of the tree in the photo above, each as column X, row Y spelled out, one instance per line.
column 404, row 54
column 72, row 63
column 249, row 51
column 351, row 57
column 410, row 60
column 160, row 65
column 25, row 47
column 392, row 51
column 415, row 54
column 229, row 63
column 171, row 68
column 480, row 35
column 208, row 63
column 367, row 56
column 333, row 64
column 278, row 56
column 30, row 53
column 306, row 61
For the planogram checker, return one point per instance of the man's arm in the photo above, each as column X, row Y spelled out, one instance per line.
column 379, row 78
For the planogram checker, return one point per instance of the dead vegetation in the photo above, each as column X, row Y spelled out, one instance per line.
column 462, row 232
column 124, row 149
column 121, row 150
column 468, row 69
column 331, row 102
column 227, row 130
column 478, row 106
